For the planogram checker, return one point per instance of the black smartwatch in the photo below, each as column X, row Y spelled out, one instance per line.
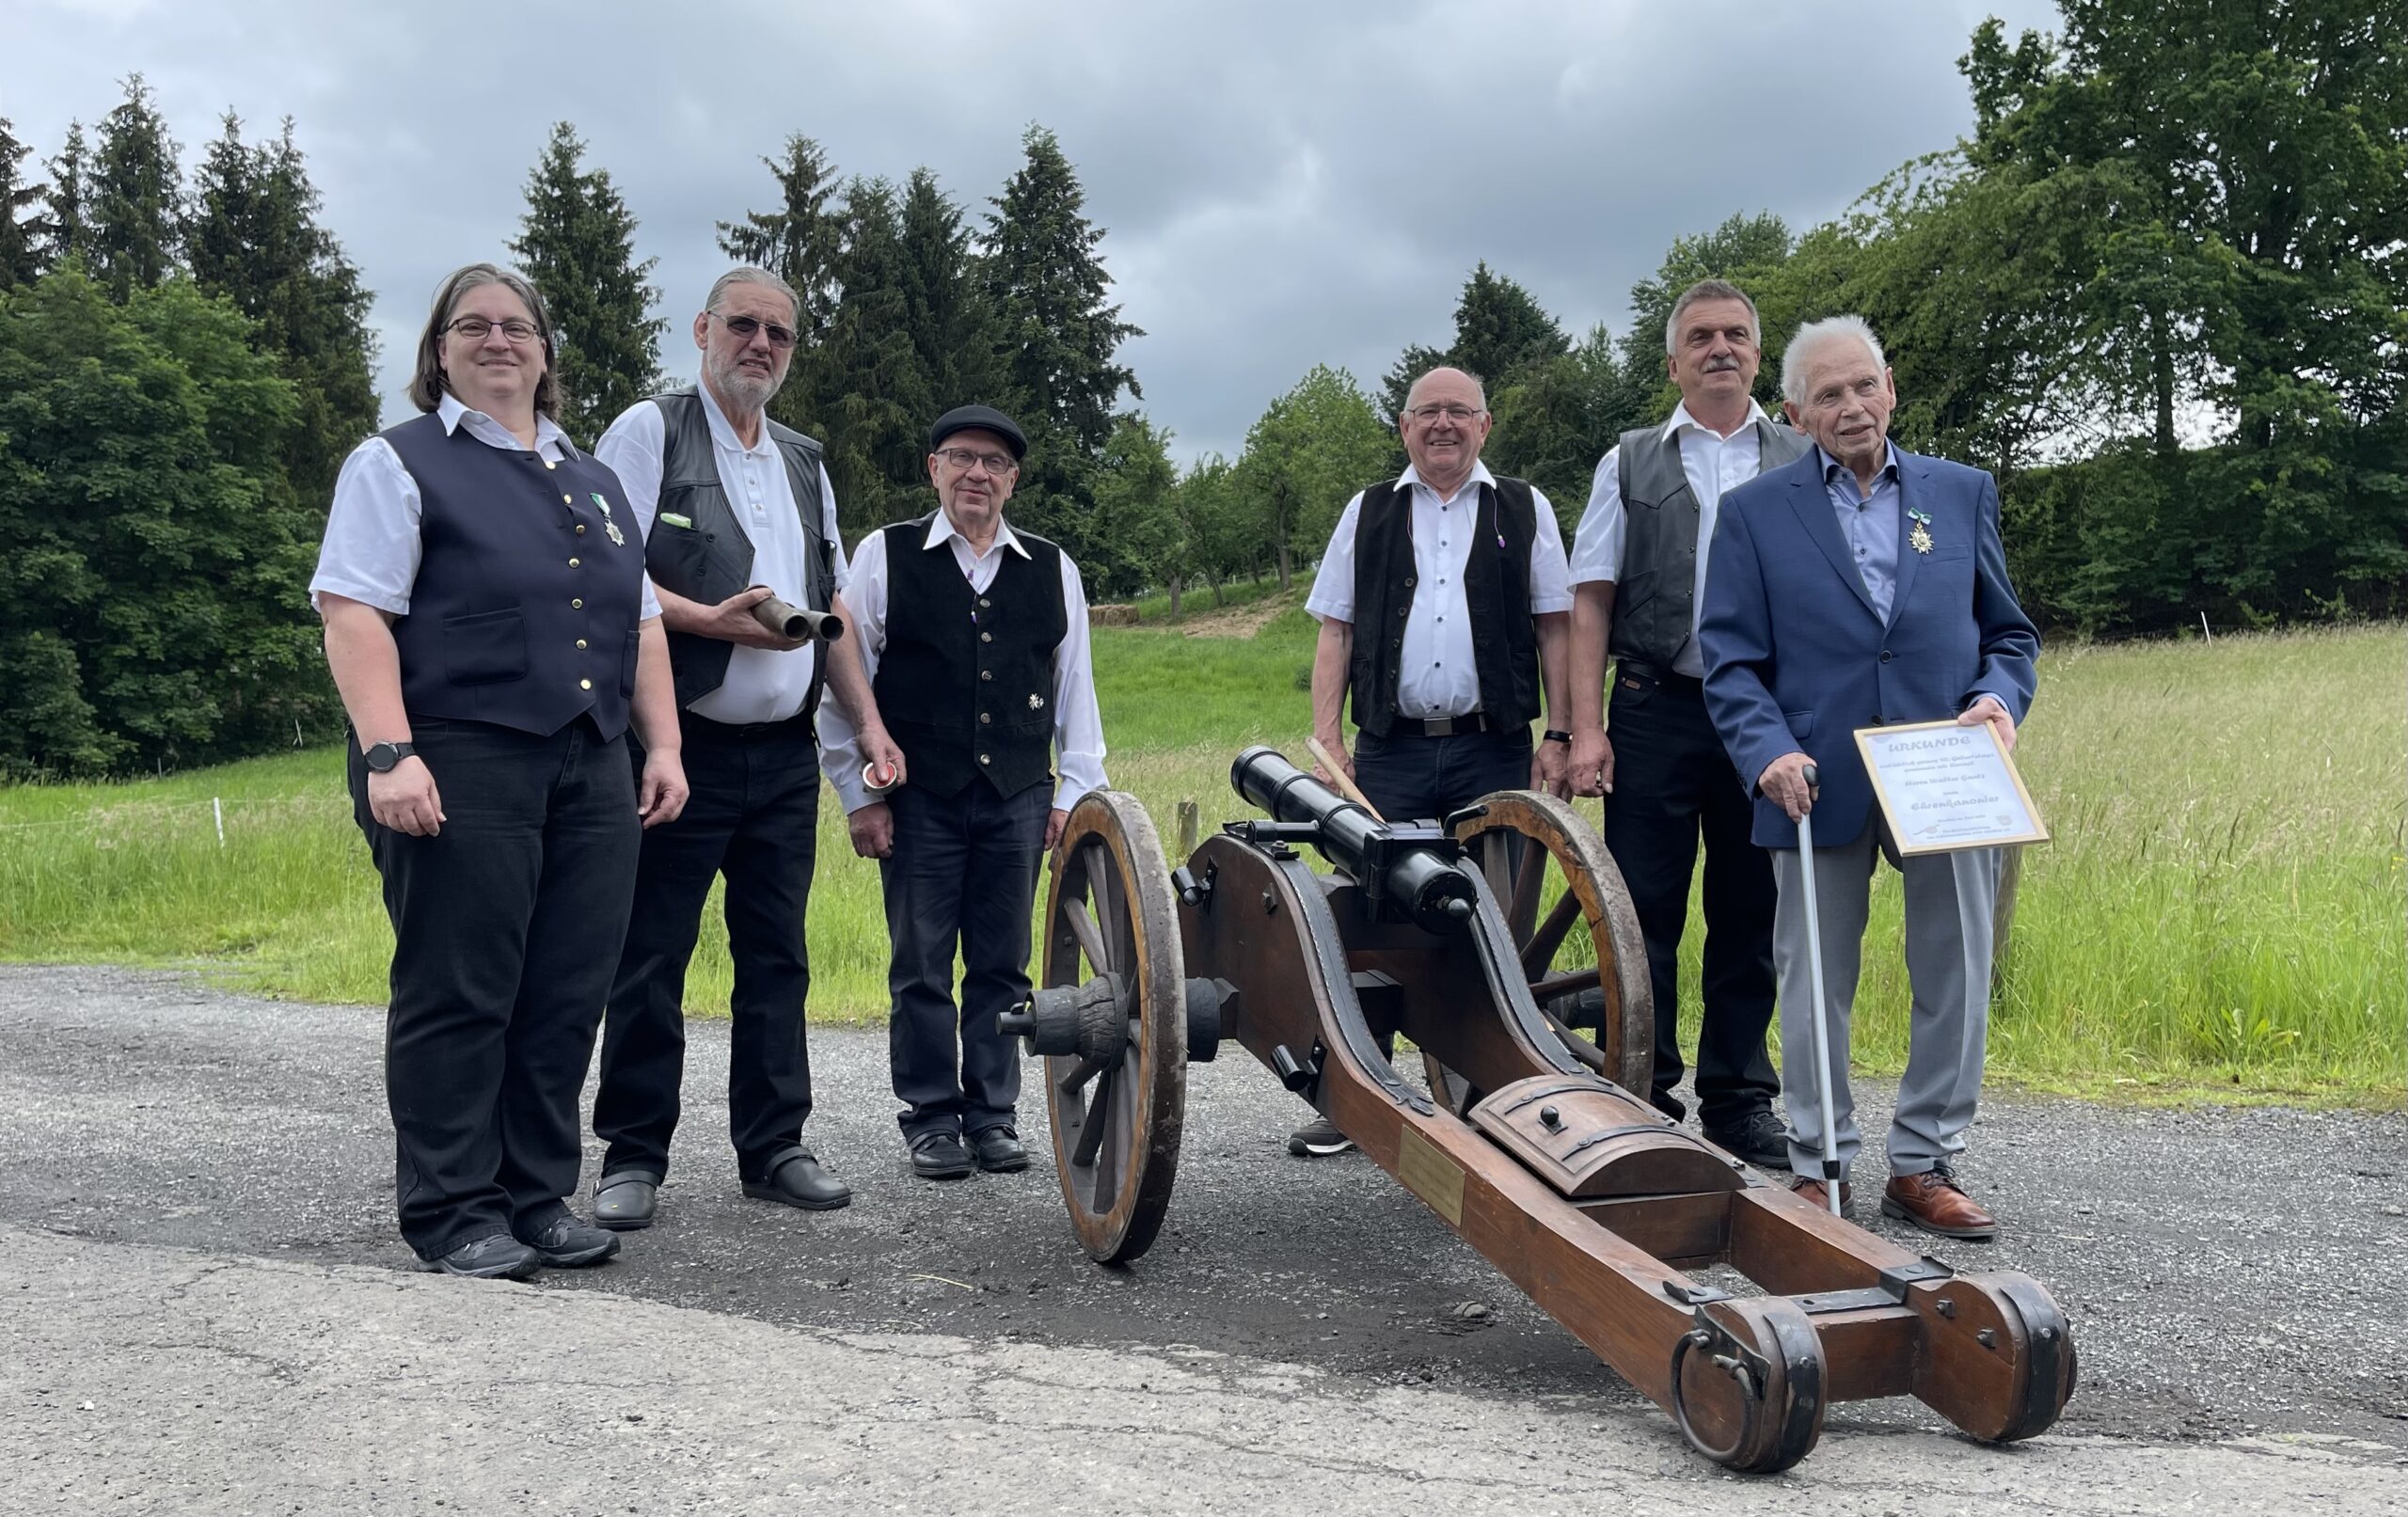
column 1551, row 736
column 381, row 757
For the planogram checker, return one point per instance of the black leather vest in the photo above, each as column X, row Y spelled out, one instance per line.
column 1655, row 594
column 966, row 681
column 712, row 560
column 524, row 612
column 1496, row 592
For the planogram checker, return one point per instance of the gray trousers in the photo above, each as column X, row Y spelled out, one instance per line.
column 1948, row 898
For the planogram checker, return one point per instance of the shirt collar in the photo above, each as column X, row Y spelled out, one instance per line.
column 1681, row 417
column 1412, row 477
column 723, row 431
column 548, row 432
column 1888, row 464
column 940, row 531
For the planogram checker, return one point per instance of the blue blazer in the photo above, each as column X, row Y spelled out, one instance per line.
column 1796, row 660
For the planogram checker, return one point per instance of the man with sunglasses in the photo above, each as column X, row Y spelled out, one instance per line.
column 734, row 508
column 976, row 639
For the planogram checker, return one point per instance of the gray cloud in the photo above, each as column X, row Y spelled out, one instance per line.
column 1284, row 183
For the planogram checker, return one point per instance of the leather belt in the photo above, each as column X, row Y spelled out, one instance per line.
column 1444, row 726
column 705, row 730
column 1662, row 678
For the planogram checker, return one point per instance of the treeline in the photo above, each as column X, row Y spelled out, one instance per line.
column 183, row 367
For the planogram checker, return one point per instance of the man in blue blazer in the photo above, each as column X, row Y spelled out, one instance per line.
column 1857, row 586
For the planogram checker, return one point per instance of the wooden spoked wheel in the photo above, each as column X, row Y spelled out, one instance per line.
column 1577, row 931
column 1117, row 1105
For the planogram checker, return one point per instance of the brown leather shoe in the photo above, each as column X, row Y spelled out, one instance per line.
column 1812, row 1191
column 1934, row 1202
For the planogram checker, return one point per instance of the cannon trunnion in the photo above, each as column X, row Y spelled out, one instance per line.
column 1502, row 945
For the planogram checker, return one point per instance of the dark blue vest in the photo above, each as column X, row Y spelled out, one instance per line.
column 525, row 610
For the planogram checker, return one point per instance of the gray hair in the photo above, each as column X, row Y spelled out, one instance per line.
column 1709, row 290
column 1478, row 386
column 752, row 274
column 1814, row 334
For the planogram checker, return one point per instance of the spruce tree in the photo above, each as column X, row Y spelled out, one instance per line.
column 257, row 242
column 65, row 229
column 802, row 240
column 945, row 302
column 871, row 394
column 577, row 242
column 20, row 227
column 135, row 200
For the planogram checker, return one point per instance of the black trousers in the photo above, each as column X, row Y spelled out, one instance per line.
column 1673, row 784
column 1409, row 777
column 754, row 815
column 505, row 925
column 962, row 876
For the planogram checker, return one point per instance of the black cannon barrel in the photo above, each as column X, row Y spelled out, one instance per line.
column 1417, row 873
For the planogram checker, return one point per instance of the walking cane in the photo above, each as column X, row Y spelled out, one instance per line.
column 1822, row 1015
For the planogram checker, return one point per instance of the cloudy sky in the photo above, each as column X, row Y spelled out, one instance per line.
column 1284, row 183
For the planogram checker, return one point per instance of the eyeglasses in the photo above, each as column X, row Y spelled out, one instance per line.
column 476, row 329
column 747, row 327
column 964, row 460
column 1458, row 414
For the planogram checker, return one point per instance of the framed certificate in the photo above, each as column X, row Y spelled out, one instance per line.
column 1945, row 786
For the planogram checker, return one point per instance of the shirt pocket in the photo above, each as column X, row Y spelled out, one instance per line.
column 484, row 647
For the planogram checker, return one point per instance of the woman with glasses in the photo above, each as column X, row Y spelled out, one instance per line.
column 492, row 633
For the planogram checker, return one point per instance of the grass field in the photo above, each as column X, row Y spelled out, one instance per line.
column 2221, row 912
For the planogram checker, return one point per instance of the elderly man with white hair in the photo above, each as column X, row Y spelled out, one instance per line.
column 1858, row 586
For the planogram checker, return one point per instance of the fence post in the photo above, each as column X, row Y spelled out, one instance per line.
column 1186, row 828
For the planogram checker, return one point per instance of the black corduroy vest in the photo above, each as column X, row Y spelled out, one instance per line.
column 1496, row 592
column 524, row 613
column 1655, row 597
column 966, row 681
column 712, row 558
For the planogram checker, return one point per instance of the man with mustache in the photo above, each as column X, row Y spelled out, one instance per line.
column 1639, row 563
column 1857, row 586
column 734, row 508
column 976, row 639
column 1444, row 614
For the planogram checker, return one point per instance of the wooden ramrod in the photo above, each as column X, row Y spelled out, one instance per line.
column 1483, row 940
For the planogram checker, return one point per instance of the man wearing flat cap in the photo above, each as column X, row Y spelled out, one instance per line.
column 976, row 639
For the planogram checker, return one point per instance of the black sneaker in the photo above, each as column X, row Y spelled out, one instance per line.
column 939, row 1155
column 1758, row 1138
column 495, row 1256
column 1318, row 1139
column 567, row 1243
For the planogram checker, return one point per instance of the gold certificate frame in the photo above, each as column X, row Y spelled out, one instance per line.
column 1945, row 786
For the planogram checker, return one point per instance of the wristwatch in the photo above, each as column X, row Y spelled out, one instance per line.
column 1551, row 736
column 381, row 757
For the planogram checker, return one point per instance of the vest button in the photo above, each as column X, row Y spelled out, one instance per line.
column 581, row 643
column 568, row 501
column 983, row 601
column 585, row 685
column 986, row 637
column 575, row 604
column 985, row 674
column 572, row 564
column 581, row 528
column 985, row 718
column 986, row 758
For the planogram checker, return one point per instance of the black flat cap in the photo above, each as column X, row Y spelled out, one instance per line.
column 978, row 418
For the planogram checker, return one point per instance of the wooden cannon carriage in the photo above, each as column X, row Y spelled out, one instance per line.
column 1530, row 1140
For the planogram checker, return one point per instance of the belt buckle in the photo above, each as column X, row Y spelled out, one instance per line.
column 1438, row 727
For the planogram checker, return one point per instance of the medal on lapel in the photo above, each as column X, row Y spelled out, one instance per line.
column 1920, row 539
column 618, row 539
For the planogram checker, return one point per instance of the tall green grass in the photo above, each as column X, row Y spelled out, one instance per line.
column 2221, row 910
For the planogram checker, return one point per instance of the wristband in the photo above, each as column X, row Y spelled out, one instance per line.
column 1551, row 736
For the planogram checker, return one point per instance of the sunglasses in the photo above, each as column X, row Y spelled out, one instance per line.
column 748, row 326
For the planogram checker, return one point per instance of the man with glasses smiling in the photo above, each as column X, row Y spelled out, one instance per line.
column 1444, row 613
column 734, row 508
column 975, row 638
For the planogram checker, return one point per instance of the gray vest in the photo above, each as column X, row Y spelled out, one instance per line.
column 1655, row 596
column 712, row 560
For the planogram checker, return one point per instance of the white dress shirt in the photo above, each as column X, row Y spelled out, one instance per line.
column 762, row 684
column 1078, row 726
column 1439, row 675
column 373, row 549
column 1714, row 463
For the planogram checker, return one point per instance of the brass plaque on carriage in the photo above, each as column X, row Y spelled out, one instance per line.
column 1431, row 1176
